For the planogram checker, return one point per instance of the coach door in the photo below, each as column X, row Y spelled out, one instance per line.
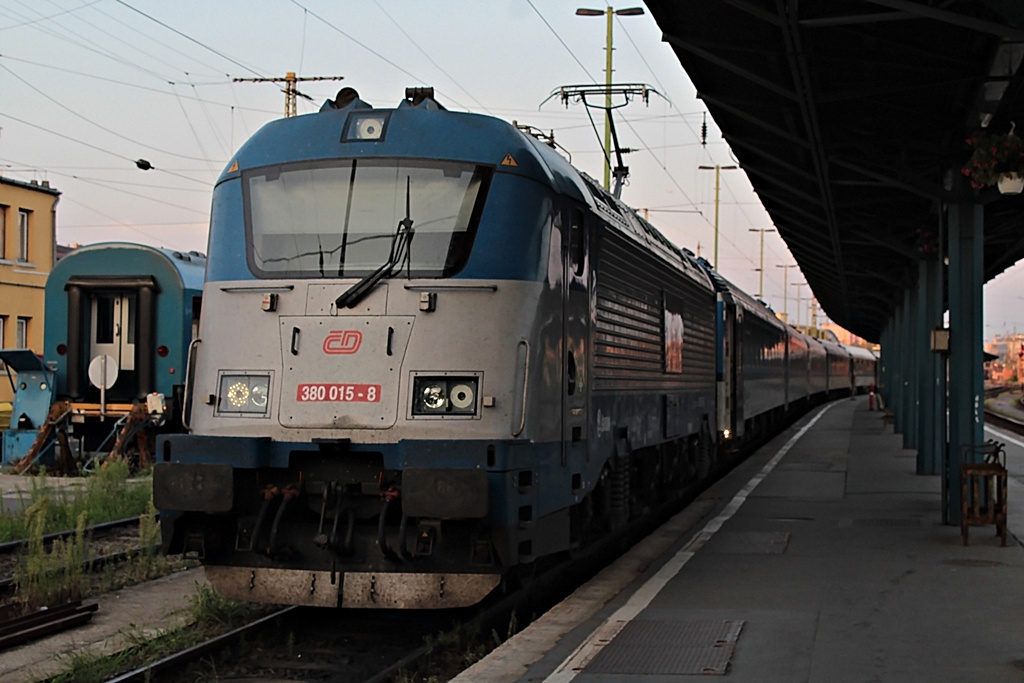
column 575, row 333
column 112, row 333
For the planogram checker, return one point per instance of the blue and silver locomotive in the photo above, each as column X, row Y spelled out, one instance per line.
column 431, row 352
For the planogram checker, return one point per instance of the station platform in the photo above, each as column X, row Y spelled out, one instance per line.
column 821, row 558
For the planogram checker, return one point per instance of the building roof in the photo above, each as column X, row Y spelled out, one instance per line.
column 39, row 186
column 850, row 119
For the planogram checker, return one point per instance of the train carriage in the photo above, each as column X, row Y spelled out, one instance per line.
column 119, row 320
column 753, row 364
column 862, row 368
column 839, row 380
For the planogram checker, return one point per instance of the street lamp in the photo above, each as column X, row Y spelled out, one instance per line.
column 608, row 11
column 760, row 264
column 785, row 287
column 718, row 172
column 798, row 285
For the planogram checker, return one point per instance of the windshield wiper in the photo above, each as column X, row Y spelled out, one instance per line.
column 399, row 253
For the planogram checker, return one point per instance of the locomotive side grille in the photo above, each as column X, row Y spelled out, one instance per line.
column 628, row 328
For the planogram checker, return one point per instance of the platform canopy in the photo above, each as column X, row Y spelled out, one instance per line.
column 850, row 119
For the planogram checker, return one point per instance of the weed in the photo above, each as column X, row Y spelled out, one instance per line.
column 82, row 665
column 50, row 578
column 106, row 495
column 210, row 608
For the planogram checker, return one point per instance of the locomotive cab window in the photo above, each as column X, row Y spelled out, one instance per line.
column 341, row 218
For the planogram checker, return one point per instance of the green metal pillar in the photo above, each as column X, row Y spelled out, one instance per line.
column 896, row 370
column 884, row 373
column 911, row 349
column 931, row 428
column 966, row 351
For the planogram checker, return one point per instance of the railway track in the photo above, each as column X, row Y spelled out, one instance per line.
column 118, row 541
column 365, row 646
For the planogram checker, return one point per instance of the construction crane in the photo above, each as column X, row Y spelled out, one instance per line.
column 290, row 91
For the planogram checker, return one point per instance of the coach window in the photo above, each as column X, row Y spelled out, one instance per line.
column 577, row 242
column 23, row 220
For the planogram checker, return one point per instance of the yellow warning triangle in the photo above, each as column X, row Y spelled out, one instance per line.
column 233, row 167
column 508, row 161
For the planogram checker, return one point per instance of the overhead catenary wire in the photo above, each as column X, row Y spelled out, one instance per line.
column 113, row 132
column 430, row 59
column 95, row 147
column 367, row 48
column 190, row 38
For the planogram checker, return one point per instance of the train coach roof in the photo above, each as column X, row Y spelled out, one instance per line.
column 748, row 303
column 410, row 132
column 860, row 352
column 129, row 258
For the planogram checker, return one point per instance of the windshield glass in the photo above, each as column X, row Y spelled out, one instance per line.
column 338, row 218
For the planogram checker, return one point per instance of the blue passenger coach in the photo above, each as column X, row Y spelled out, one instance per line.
column 123, row 314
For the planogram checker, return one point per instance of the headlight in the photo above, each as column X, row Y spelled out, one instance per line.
column 444, row 396
column 244, row 394
column 366, row 125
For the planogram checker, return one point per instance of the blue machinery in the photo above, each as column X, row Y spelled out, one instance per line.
column 33, row 396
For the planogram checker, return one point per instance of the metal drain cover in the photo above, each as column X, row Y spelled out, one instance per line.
column 702, row 646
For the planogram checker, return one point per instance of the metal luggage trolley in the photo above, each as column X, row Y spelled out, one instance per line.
column 983, row 487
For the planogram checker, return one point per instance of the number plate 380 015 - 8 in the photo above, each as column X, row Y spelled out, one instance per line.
column 338, row 393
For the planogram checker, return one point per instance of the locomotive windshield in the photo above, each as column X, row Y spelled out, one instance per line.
column 338, row 218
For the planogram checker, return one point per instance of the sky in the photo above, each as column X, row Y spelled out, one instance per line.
column 87, row 87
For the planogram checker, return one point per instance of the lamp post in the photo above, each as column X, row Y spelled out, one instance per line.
column 608, row 11
column 785, row 287
column 760, row 263
column 718, row 172
column 798, row 285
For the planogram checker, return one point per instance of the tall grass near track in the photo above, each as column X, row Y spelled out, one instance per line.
column 106, row 495
column 51, row 578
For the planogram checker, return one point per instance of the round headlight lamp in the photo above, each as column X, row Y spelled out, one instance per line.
column 463, row 396
column 258, row 396
column 238, row 394
column 432, row 397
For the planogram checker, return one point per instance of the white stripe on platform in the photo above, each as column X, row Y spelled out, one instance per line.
column 1005, row 436
column 606, row 632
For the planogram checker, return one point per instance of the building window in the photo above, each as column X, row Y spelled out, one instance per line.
column 23, row 215
column 3, row 242
column 22, row 334
column 3, row 324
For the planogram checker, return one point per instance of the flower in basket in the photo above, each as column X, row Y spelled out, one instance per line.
column 993, row 157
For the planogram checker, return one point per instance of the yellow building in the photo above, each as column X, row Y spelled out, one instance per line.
column 27, row 242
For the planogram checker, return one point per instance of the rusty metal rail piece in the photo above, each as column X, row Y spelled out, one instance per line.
column 44, row 622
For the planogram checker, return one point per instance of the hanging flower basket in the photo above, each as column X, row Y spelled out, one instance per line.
column 997, row 160
column 1010, row 183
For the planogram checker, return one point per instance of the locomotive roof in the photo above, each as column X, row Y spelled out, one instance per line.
column 412, row 132
column 127, row 258
column 428, row 131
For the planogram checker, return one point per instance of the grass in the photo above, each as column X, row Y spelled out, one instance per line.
column 208, row 614
column 454, row 652
column 62, row 574
column 108, row 494
column 50, row 578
